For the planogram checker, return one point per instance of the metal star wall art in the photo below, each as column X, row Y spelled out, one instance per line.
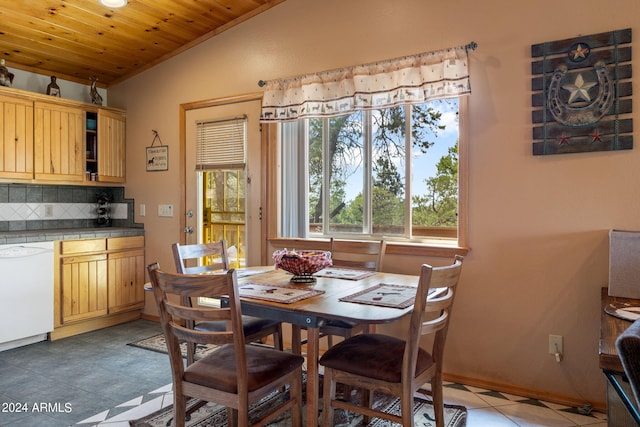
column 582, row 94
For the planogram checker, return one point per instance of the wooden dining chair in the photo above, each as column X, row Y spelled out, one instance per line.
column 628, row 346
column 235, row 375
column 212, row 257
column 358, row 254
column 393, row 365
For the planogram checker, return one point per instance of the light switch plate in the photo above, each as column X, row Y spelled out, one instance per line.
column 165, row 210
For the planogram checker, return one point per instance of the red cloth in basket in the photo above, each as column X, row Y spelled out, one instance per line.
column 302, row 262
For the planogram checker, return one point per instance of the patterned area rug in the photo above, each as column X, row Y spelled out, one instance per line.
column 214, row 415
column 158, row 343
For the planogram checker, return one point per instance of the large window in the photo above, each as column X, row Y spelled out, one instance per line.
column 389, row 173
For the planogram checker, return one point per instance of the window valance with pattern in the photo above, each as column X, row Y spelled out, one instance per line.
column 407, row 80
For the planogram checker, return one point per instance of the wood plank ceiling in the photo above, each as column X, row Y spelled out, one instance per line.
column 79, row 39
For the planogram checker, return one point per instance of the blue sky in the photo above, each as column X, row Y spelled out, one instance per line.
column 424, row 166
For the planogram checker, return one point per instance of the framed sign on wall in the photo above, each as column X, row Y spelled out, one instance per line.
column 157, row 156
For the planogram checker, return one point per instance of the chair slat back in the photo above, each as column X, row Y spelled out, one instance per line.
column 359, row 254
column 431, row 317
column 168, row 286
column 628, row 346
column 201, row 257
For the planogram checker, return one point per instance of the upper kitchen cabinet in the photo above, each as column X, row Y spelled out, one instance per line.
column 16, row 138
column 48, row 139
column 59, row 142
column 111, row 146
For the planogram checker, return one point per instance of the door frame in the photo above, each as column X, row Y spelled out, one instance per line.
column 184, row 109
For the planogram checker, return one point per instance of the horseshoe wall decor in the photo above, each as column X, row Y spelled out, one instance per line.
column 583, row 115
column 582, row 94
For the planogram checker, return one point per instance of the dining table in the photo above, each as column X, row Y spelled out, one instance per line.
column 332, row 294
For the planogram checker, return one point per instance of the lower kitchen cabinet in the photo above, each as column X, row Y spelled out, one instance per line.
column 126, row 280
column 84, row 287
column 98, row 283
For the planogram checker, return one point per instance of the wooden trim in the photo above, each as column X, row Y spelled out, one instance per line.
column 270, row 184
column 88, row 325
column 150, row 317
column 463, row 171
column 561, row 399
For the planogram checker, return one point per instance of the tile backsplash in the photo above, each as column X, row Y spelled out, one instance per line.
column 35, row 207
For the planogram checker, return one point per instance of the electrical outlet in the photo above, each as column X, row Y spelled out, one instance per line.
column 555, row 344
column 143, row 210
column 165, row 210
column 48, row 211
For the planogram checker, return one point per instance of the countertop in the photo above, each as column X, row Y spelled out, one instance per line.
column 29, row 236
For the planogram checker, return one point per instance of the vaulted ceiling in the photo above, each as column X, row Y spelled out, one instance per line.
column 79, row 39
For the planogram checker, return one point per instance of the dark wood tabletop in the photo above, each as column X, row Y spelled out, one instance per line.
column 610, row 328
column 313, row 312
column 328, row 305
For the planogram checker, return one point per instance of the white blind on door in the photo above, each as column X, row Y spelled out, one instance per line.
column 220, row 144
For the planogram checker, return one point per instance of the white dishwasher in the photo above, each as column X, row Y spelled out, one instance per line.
column 26, row 293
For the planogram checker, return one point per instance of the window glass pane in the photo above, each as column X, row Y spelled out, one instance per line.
column 224, row 211
column 365, row 159
column 315, row 175
column 388, row 171
column 435, row 169
column 346, row 173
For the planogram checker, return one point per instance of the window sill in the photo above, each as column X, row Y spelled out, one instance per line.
column 431, row 248
column 435, row 248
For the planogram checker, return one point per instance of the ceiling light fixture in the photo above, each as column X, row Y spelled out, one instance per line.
column 114, row 3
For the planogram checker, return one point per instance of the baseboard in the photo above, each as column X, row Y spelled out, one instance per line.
column 152, row 317
column 92, row 324
column 524, row 391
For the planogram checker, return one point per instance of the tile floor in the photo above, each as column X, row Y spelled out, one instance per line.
column 95, row 379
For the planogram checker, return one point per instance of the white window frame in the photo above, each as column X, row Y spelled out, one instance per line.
column 301, row 212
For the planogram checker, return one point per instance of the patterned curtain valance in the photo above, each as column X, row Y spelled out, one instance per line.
column 408, row 80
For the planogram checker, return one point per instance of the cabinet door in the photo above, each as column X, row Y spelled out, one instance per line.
column 58, row 142
column 126, row 280
column 84, row 287
column 16, row 138
column 111, row 146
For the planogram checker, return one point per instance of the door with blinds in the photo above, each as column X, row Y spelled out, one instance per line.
column 222, row 178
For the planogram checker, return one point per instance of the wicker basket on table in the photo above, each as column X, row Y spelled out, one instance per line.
column 302, row 264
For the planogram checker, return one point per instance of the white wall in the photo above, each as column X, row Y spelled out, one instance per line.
column 537, row 225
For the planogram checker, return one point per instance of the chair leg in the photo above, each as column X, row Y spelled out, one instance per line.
column 296, row 339
column 179, row 409
column 296, row 393
column 346, row 389
column 329, row 394
column 366, row 396
column 438, row 399
column 232, row 417
column 277, row 339
column 406, row 406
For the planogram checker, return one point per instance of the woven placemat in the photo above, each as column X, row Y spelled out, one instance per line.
column 385, row 295
column 344, row 273
column 277, row 293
